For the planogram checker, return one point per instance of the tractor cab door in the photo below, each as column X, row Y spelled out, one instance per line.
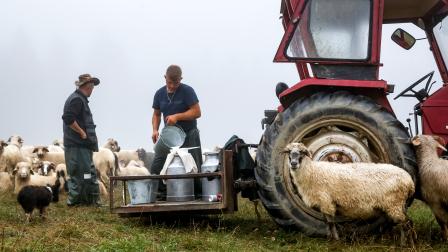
column 339, row 39
column 440, row 32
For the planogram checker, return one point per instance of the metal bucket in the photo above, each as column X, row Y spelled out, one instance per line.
column 211, row 187
column 171, row 136
column 143, row 191
column 178, row 189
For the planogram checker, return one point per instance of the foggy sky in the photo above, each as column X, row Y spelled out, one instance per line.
column 225, row 49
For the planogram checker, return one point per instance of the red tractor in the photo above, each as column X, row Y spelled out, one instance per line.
column 339, row 109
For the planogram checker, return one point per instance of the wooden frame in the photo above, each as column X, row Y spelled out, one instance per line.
column 228, row 204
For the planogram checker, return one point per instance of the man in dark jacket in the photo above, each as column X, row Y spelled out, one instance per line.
column 80, row 142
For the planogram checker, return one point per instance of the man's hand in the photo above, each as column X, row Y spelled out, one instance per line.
column 171, row 120
column 83, row 134
column 155, row 135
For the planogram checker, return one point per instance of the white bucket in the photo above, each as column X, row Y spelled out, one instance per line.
column 143, row 191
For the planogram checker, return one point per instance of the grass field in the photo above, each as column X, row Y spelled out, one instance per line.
column 95, row 229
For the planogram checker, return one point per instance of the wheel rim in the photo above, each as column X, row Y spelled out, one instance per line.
column 335, row 139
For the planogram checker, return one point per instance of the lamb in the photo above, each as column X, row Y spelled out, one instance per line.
column 335, row 187
column 134, row 168
column 24, row 176
column 44, row 154
column 6, row 182
column 46, row 168
column 104, row 161
column 62, row 169
column 39, row 197
column 433, row 174
column 11, row 154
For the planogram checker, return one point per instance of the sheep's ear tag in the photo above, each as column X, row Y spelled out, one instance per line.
column 416, row 141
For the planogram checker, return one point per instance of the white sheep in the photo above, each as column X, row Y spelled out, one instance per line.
column 44, row 154
column 103, row 190
column 3, row 144
column 16, row 140
column 433, row 177
column 24, row 175
column 134, row 168
column 27, row 151
column 6, row 182
column 11, row 154
column 354, row 190
column 127, row 156
column 45, row 168
column 55, row 148
column 105, row 164
column 112, row 145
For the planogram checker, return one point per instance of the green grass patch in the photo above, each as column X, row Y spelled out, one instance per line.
column 96, row 229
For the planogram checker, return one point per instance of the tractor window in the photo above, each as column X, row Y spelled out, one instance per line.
column 336, row 29
column 441, row 34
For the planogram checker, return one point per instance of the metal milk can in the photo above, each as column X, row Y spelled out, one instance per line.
column 178, row 189
column 211, row 186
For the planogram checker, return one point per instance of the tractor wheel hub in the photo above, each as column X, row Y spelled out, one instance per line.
column 339, row 147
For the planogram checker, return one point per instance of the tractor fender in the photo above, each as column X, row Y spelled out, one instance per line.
column 377, row 90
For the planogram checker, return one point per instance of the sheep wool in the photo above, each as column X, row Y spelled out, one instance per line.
column 354, row 190
column 433, row 177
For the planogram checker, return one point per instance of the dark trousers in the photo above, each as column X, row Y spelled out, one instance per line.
column 82, row 184
column 192, row 140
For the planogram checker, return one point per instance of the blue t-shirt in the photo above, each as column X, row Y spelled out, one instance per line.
column 179, row 101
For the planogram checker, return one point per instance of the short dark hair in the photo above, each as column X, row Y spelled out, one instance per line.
column 174, row 72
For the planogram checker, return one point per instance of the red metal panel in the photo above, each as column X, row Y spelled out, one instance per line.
column 437, row 54
column 376, row 90
column 280, row 56
column 435, row 114
column 377, row 13
column 435, row 121
column 437, row 99
column 380, row 84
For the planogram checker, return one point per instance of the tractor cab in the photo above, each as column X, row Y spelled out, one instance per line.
column 337, row 44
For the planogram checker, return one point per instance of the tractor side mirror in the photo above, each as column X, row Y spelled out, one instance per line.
column 403, row 39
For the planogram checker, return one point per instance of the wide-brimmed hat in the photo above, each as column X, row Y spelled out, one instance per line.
column 86, row 78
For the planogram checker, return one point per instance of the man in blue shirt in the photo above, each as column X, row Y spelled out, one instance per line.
column 179, row 105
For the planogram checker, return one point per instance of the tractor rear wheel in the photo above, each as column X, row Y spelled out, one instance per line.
column 338, row 127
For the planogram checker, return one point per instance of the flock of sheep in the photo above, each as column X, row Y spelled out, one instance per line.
column 24, row 165
column 354, row 190
column 360, row 190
